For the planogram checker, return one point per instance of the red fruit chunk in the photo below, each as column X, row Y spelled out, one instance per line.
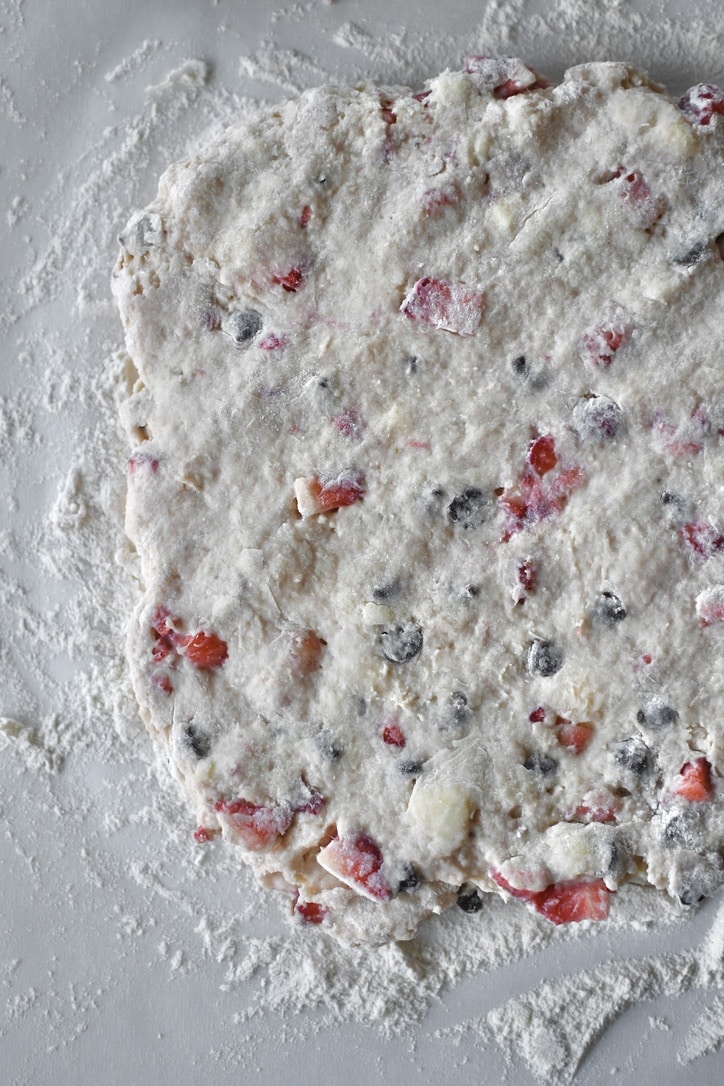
column 357, row 860
column 635, row 194
column 202, row 835
column 289, row 281
column 694, row 782
column 306, row 653
column 702, row 102
column 600, row 344
column 388, row 114
column 163, row 683
column 310, row 911
column 435, row 200
column 575, row 737
column 710, row 605
column 538, row 715
column 204, row 650
column 572, row 902
column 271, row 342
column 313, row 804
column 598, row 806
column 452, row 307
column 305, row 215
column 393, row 735
column 142, row 461
column 258, row 826
column 701, row 539
column 528, row 576
column 349, row 423
column 564, row 902
column 504, row 76
column 337, row 493
column 542, row 454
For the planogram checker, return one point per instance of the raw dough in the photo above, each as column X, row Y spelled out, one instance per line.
column 426, row 486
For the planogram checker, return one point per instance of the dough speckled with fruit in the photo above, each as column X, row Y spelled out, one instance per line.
column 426, row 487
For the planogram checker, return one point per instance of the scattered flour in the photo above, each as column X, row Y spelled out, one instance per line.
column 66, row 578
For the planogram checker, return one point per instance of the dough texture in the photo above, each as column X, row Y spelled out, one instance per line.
column 426, row 484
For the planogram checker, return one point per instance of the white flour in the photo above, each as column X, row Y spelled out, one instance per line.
column 61, row 583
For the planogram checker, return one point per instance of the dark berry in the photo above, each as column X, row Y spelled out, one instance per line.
column 197, row 741
column 242, row 325
column 385, row 591
column 471, row 591
column 411, row 364
column 682, row 830
column 544, row 658
column 470, row 900
column 521, row 367
column 608, row 609
column 410, row 769
column 668, row 498
column 402, row 643
column 410, row 879
column 634, row 756
column 692, row 256
column 539, row 762
column 328, row 748
column 469, row 509
column 689, row 895
column 596, row 418
column 656, row 715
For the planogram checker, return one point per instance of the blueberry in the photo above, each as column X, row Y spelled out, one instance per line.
column 199, row 742
column 402, row 643
column 692, row 256
column 539, row 762
column 242, row 325
column 689, row 895
column 385, row 591
column 470, row 900
column 328, row 748
column 634, row 756
column 657, row 715
column 471, row 591
column 411, row 362
column 521, row 367
column 596, row 418
column 469, row 509
column 410, row 768
column 608, row 609
column 410, row 879
column 544, row 658
column 682, row 830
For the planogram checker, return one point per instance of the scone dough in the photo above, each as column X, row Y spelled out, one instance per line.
column 425, row 399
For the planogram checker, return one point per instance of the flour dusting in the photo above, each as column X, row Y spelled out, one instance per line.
column 69, row 732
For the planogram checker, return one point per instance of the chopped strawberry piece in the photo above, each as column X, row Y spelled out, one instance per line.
column 258, row 826
column 572, row 902
column 357, row 860
column 542, row 454
column 600, row 344
column 289, row 281
column 393, row 735
column 598, row 806
column 349, row 423
column 142, row 461
column 701, row 539
column 564, row 902
column 163, row 682
column 313, row 803
column 305, row 215
column 271, row 342
column 702, row 103
column 574, row 737
column 635, row 194
column 388, row 114
column 528, row 576
column 504, row 76
column 695, row 782
column 452, row 307
column 315, row 496
column 538, row 715
column 710, row 605
column 203, row 836
column 204, row 650
column 159, row 621
column 310, row 911
column 420, row 96
column 436, row 199
column 306, row 653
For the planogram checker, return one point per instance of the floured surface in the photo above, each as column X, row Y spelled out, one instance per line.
column 426, row 488
column 95, row 846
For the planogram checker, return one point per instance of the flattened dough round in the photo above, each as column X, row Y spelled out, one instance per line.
column 427, row 492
